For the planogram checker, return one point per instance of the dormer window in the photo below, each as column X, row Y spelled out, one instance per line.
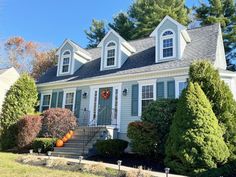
column 110, row 54
column 66, row 57
column 167, row 44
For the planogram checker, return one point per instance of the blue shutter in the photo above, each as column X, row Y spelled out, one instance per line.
column 54, row 100
column 77, row 102
column 171, row 89
column 160, row 90
column 134, row 100
column 60, row 99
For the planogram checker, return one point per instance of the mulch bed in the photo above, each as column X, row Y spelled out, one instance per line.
column 131, row 160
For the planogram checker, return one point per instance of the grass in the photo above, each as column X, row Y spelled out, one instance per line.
column 10, row 168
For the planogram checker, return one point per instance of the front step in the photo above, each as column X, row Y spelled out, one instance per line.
column 80, row 144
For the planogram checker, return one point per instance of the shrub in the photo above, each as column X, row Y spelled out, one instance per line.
column 160, row 113
column 57, row 122
column 46, row 144
column 29, row 127
column 143, row 137
column 20, row 100
column 111, row 147
column 221, row 98
column 195, row 142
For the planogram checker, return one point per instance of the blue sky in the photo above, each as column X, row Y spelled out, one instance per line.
column 51, row 21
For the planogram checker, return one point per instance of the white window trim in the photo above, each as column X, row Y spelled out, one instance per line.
column 64, row 97
column 106, row 52
column 173, row 36
column 91, row 101
column 62, row 58
column 141, row 84
column 41, row 99
column 177, row 81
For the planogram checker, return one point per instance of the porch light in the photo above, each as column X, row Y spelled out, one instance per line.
column 85, row 94
column 125, row 92
column 167, row 171
column 119, row 164
column 80, row 159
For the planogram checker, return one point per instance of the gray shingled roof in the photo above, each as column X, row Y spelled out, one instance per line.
column 202, row 46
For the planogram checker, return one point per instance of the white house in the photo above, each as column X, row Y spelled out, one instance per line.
column 8, row 77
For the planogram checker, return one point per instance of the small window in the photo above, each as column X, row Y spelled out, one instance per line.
column 110, row 54
column 182, row 86
column 167, row 45
column 46, row 102
column 66, row 62
column 147, row 96
column 69, row 101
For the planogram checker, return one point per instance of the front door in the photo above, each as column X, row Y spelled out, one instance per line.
column 104, row 106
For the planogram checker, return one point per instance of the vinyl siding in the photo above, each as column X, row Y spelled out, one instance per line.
column 67, row 46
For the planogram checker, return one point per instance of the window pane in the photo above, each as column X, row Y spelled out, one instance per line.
column 69, row 98
column 65, row 68
column 66, row 61
column 111, row 44
column 46, row 100
column 167, row 43
column 167, row 33
column 168, row 52
column 182, row 86
column 110, row 61
column 44, row 108
column 70, row 107
column 147, row 92
column 111, row 53
column 145, row 103
column 66, row 53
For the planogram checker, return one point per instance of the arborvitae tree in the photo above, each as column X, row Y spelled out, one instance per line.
column 123, row 25
column 20, row 100
column 195, row 142
column 147, row 14
column 223, row 12
column 96, row 33
column 221, row 98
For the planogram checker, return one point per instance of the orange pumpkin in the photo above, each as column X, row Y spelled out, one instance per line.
column 64, row 139
column 71, row 132
column 59, row 143
column 68, row 136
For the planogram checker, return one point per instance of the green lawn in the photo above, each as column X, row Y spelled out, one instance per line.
column 10, row 168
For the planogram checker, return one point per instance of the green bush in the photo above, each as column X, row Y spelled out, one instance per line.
column 143, row 136
column 221, row 98
column 111, row 147
column 46, row 144
column 160, row 113
column 20, row 100
column 195, row 143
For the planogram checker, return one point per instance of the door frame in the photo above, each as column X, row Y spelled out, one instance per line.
column 91, row 101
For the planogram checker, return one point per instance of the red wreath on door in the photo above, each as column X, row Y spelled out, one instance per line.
column 105, row 94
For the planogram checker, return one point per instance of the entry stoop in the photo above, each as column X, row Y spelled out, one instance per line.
column 81, row 144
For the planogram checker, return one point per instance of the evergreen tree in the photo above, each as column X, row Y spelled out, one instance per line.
column 96, row 33
column 20, row 100
column 223, row 12
column 123, row 25
column 195, row 142
column 221, row 98
column 147, row 14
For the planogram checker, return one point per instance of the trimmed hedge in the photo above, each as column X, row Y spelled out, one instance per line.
column 195, row 143
column 57, row 122
column 46, row 144
column 111, row 147
column 28, row 129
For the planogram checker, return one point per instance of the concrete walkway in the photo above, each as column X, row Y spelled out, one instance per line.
column 112, row 166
